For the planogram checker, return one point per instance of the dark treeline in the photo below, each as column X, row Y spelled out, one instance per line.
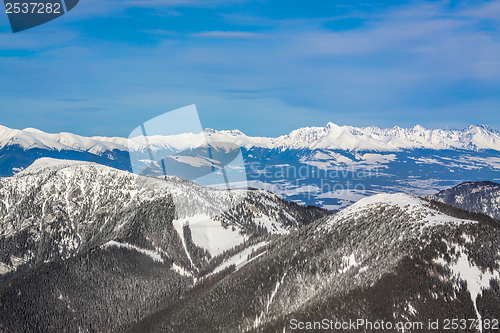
column 206, row 282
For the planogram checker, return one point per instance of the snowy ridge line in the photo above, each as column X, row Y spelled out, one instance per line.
column 331, row 136
column 45, row 165
column 153, row 255
column 413, row 206
column 33, row 138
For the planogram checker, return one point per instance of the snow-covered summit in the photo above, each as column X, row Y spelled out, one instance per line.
column 33, row 138
column 390, row 139
column 418, row 211
column 47, row 165
column 58, row 209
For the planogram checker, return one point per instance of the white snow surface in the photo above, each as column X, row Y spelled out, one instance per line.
column 349, row 262
column 464, row 269
column 210, row 234
column 271, row 226
column 46, row 165
column 331, row 136
column 410, row 204
column 153, row 255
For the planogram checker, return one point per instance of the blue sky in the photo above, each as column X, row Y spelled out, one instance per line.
column 264, row 67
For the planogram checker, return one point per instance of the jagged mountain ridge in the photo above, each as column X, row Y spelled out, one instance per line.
column 395, row 258
column 480, row 197
column 305, row 166
column 331, row 136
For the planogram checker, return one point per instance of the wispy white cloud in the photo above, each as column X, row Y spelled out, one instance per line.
column 424, row 37
column 117, row 7
column 415, row 63
column 489, row 10
column 161, row 32
column 230, row 35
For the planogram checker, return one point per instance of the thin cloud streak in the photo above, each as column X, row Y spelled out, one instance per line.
column 230, row 35
column 413, row 64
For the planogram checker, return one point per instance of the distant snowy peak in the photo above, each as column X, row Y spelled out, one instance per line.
column 351, row 138
column 331, row 136
column 373, row 138
column 30, row 138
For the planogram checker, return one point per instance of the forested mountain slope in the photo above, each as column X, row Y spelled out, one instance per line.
column 395, row 258
column 90, row 248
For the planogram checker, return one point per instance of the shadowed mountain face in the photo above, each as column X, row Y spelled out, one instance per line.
column 480, row 197
column 394, row 258
column 88, row 248
column 96, row 291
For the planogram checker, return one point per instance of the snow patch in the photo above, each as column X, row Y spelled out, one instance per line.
column 181, row 270
column 153, row 255
column 272, row 227
column 210, row 234
column 240, row 259
column 463, row 269
column 348, row 263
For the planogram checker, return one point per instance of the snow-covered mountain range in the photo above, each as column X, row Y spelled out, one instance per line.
column 31, row 138
column 329, row 166
column 331, row 137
